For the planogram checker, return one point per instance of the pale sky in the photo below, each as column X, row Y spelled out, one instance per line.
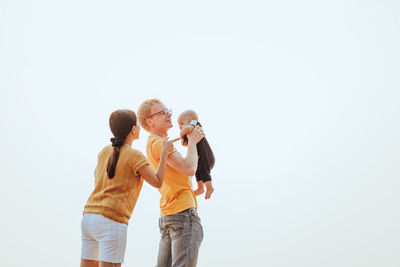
column 299, row 101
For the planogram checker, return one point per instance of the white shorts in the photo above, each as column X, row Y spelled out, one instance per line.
column 103, row 239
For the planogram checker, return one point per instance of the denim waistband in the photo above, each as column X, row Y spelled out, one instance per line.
column 187, row 210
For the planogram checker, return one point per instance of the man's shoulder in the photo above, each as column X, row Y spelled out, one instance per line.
column 153, row 147
column 153, row 139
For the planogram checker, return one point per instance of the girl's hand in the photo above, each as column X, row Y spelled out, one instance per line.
column 168, row 145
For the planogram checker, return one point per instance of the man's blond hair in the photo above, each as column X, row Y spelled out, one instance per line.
column 144, row 111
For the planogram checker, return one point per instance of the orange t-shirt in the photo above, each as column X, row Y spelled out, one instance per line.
column 176, row 192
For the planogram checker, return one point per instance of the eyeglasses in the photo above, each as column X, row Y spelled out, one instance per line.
column 162, row 112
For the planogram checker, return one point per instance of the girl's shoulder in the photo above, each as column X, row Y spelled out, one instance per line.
column 105, row 151
column 132, row 152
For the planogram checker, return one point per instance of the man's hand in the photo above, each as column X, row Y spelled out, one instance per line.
column 196, row 135
column 186, row 130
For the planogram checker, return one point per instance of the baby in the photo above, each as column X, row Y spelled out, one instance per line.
column 187, row 121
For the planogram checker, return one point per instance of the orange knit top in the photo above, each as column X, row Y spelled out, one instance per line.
column 116, row 198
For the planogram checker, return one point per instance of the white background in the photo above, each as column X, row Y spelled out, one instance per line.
column 299, row 101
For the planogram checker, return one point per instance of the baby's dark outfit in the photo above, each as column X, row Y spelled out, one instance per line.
column 206, row 159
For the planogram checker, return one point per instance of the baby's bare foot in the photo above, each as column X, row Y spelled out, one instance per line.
column 199, row 191
column 209, row 192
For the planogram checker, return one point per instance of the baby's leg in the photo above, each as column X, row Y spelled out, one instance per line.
column 200, row 188
column 210, row 189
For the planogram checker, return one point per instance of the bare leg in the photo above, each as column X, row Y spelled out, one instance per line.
column 109, row 264
column 200, row 188
column 89, row 263
column 210, row 189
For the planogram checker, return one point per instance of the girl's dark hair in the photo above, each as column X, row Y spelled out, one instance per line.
column 121, row 123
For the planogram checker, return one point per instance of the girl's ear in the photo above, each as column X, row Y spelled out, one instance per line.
column 133, row 130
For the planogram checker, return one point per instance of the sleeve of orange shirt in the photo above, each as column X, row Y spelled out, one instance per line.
column 138, row 160
column 156, row 149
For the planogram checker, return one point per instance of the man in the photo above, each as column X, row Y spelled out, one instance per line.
column 180, row 226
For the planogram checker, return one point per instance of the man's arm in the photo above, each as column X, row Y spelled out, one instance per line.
column 187, row 165
column 156, row 179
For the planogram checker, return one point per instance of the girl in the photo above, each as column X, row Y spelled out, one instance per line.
column 119, row 177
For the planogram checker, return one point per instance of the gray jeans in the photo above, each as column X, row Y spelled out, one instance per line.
column 181, row 236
